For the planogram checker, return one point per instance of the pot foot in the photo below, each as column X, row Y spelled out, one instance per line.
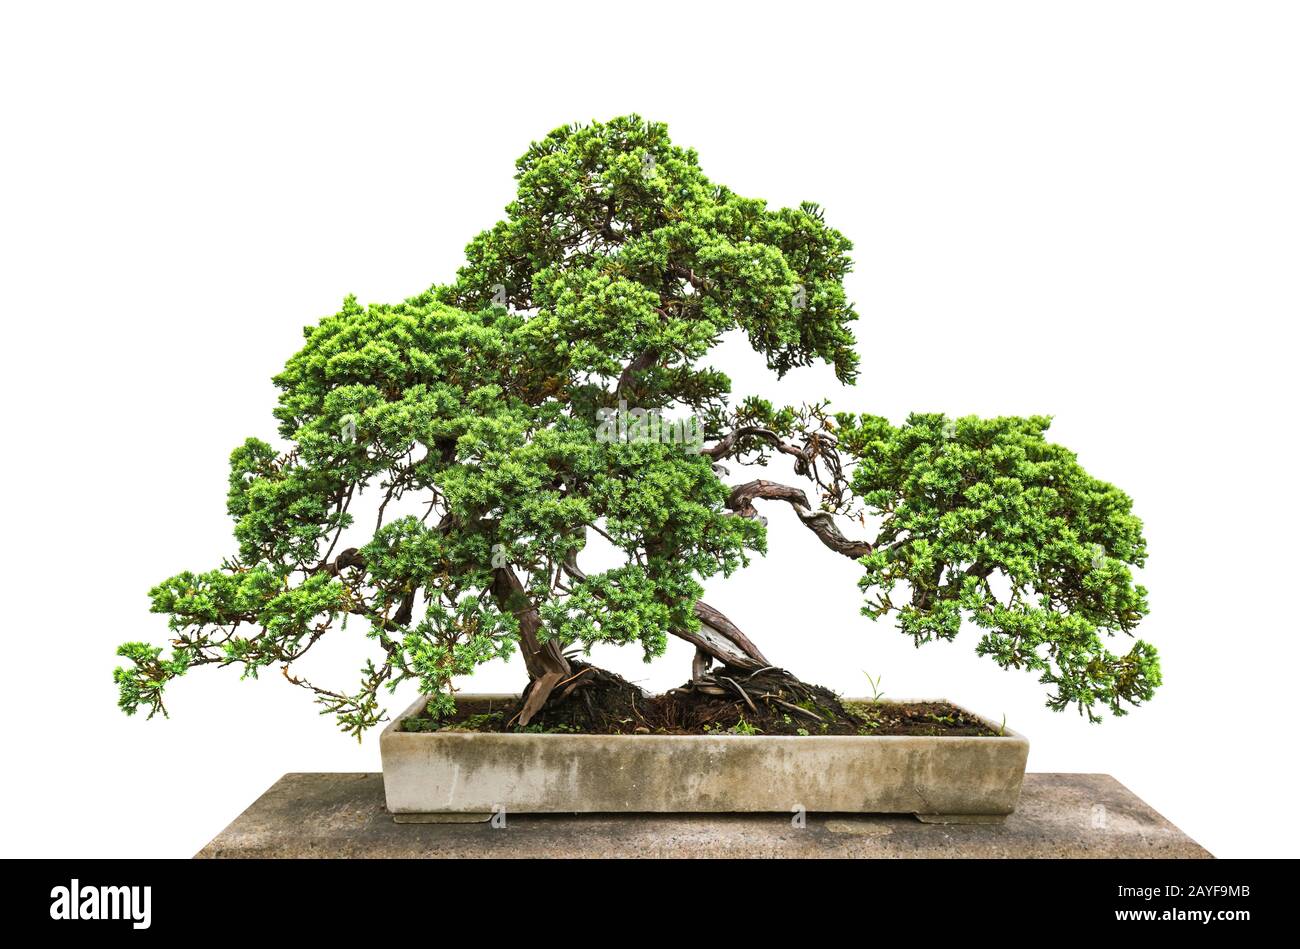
column 961, row 818
column 470, row 818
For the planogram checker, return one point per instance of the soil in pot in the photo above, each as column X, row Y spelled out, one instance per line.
column 769, row 702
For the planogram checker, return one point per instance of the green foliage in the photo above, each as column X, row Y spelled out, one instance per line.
column 443, row 405
column 143, row 683
column 962, row 502
column 876, row 692
column 617, row 268
column 624, row 247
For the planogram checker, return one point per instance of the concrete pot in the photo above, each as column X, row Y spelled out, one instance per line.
column 469, row 776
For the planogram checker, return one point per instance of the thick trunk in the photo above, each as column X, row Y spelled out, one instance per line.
column 546, row 664
column 720, row 640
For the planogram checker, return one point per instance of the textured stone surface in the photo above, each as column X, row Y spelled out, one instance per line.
column 448, row 772
column 343, row 815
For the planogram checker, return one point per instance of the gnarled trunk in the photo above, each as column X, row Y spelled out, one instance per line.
column 546, row 664
column 717, row 640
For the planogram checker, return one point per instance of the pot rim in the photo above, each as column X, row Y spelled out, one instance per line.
column 391, row 730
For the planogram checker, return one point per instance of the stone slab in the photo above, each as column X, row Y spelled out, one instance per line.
column 343, row 815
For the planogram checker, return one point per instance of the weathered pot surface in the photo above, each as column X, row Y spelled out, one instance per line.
column 468, row 776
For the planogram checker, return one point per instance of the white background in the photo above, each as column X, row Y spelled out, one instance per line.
column 1088, row 210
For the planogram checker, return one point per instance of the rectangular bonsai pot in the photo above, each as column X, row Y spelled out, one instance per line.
column 469, row 776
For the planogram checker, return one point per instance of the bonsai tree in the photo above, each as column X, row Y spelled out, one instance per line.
column 557, row 395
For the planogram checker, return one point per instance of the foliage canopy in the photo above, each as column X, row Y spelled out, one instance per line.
column 616, row 270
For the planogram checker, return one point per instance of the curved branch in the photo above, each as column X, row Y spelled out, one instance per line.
column 638, row 366
column 817, row 445
column 742, row 497
column 729, row 443
column 820, row 523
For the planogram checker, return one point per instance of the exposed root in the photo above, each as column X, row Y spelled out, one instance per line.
column 772, row 696
column 594, row 699
column 725, row 701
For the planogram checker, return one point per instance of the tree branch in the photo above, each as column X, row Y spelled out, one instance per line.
column 820, row 444
column 729, row 444
column 644, row 360
column 820, row 523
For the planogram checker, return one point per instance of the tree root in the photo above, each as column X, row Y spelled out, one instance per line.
column 767, row 700
column 593, row 699
column 770, row 692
